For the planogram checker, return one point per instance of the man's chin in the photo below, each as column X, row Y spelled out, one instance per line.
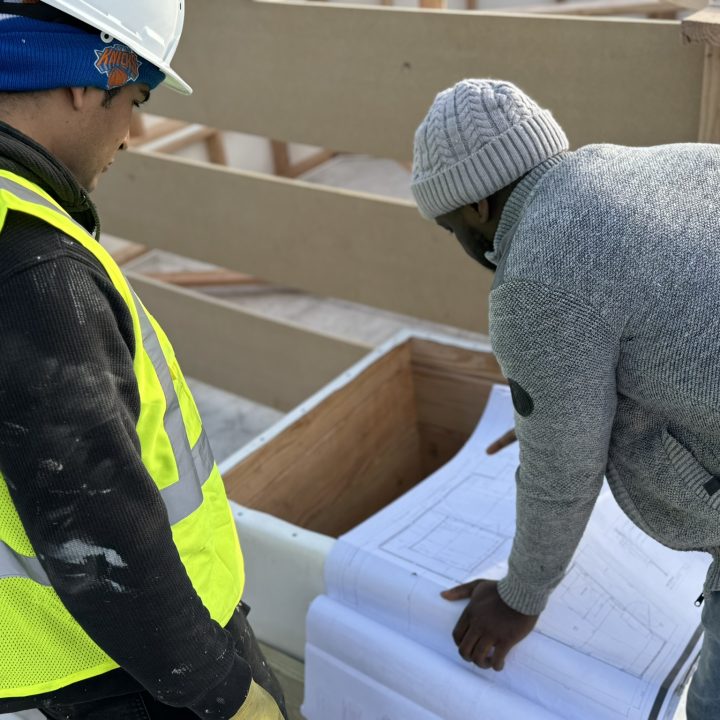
column 91, row 186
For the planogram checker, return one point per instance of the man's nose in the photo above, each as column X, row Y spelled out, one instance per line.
column 124, row 144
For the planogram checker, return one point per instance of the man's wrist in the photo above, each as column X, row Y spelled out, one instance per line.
column 521, row 597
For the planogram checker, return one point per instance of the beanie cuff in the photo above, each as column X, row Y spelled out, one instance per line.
column 496, row 165
column 37, row 55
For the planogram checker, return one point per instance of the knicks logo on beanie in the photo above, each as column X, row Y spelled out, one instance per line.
column 120, row 64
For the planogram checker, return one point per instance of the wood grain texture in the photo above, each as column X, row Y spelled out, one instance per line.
column 334, row 243
column 452, row 384
column 273, row 363
column 372, row 440
column 360, row 79
column 709, row 130
column 702, row 26
column 343, row 461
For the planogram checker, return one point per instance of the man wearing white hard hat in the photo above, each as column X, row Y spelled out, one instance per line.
column 121, row 575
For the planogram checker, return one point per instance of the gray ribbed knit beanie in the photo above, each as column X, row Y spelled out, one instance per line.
column 477, row 138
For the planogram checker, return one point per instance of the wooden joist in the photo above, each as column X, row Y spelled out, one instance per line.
column 333, row 243
column 360, row 79
column 601, row 8
column 284, row 167
column 278, row 364
column 703, row 28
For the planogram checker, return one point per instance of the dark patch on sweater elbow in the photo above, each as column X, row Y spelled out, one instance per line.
column 521, row 399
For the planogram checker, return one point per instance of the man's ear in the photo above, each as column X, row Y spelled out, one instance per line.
column 483, row 211
column 79, row 97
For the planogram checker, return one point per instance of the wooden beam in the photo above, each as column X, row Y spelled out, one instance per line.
column 215, row 278
column 132, row 251
column 310, row 163
column 285, row 168
column 281, row 158
column 333, row 243
column 161, row 128
column 173, row 144
column 360, row 79
column 599, row 8
column 703, row 29
column 709, row 130
column 273, row 363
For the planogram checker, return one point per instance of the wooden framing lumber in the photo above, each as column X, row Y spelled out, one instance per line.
column 600, row 8
column 367, row 438
column 213, row 278
column 345, row 460
column 285, row 168
column 360, row 79
column 703, row 29
column 142, row 135
column 131, row 251
column 273, row 363
column 332, row 243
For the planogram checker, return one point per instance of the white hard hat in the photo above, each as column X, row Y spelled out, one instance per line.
column 152, row 28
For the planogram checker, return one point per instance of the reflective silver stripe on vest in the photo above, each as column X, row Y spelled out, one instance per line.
column 30, row 196
column 14, row 565
column 195, row 465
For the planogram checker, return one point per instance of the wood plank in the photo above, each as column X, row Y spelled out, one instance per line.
column 709, row 130
column 211, row 278
column 143, row 135
column 702, row 26
column 131, row 251
column 600, row 8
column 438, row 445
column 347, row 458
column 452, row 384
column 273, row 363
column 358, row 247
column 360, row 79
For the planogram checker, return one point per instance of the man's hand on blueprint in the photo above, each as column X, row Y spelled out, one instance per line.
column 488, row 628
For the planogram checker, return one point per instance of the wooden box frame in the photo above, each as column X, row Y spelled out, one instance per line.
column 350, row 450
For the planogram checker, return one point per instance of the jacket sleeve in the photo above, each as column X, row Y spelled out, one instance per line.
column 71, row 458
column 560, row 360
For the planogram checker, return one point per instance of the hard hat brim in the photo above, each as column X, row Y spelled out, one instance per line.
column 175, row 82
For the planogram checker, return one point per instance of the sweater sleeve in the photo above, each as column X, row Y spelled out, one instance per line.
column 71, row 458
column 560, row 359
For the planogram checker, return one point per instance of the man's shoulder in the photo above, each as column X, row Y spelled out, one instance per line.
column 27, row 241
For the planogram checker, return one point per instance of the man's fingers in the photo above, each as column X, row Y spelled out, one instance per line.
column 468, row 644
column 461, row 592
column 498, row 658
column 483, row 649
column 461, row 628
column 507, row 439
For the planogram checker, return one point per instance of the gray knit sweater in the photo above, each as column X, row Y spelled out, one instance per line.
column 605, row 314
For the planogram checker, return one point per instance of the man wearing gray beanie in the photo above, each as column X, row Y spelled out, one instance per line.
column 605, row 318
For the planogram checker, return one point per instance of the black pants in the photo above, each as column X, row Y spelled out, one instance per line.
column 142, row 706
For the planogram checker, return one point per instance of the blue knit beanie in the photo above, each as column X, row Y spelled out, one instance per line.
column 39, row 55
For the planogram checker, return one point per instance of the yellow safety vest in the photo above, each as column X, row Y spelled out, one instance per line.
column 42, row 648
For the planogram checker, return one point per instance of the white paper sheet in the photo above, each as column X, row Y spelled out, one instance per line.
column 618, row 637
